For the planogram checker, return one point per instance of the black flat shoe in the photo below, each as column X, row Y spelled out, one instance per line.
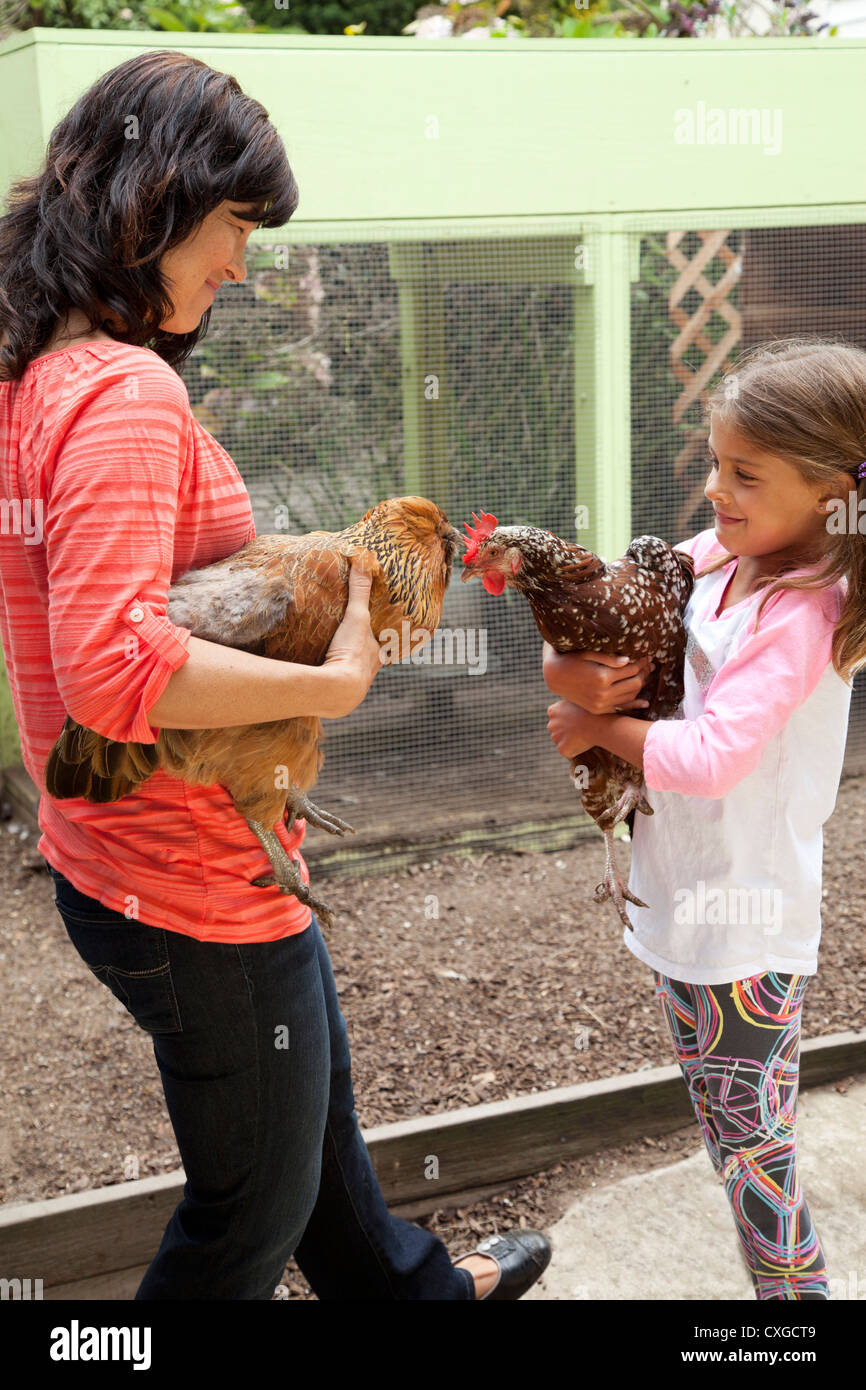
column 522, row 1257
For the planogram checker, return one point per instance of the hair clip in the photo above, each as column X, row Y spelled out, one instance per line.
column 861, row 471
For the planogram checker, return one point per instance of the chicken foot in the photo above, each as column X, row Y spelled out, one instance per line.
column 298, row 805
column 287, row 873
column 612, row 885
column 632, row 797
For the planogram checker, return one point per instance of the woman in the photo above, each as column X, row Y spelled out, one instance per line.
column 109, row 260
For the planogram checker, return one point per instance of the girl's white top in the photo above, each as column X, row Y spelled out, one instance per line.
column 741, row 781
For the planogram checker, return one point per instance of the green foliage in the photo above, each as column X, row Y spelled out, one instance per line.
column 203, row 16
column 332, row 16
column 179, row 16
column 527, row 18
column 73, row 14
column 587, row 23
column 686, row 19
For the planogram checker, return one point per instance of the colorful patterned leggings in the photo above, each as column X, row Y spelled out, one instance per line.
column 738, row 1046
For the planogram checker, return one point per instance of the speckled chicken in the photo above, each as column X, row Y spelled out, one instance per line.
column 633, row 606
column 282, row 597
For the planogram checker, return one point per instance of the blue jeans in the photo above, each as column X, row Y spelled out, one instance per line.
column 254, row 1058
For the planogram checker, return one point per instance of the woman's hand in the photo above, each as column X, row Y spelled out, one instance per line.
column 354, row 656
column 599, row 682
column 572, row 729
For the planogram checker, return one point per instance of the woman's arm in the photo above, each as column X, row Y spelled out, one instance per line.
column 124, row 440
column 218, row 686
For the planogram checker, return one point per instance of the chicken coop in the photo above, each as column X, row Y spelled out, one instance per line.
column 515, row 271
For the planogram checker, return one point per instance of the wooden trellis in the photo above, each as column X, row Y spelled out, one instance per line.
column 694, row 381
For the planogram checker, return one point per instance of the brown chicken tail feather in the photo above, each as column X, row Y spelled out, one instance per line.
column 85, row 764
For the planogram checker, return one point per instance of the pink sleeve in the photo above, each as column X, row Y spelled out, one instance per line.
column 108, row 533
column 748, row 701
column 702, row 547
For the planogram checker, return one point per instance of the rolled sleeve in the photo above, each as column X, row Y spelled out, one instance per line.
column 109, row 539
column 170, row 642
column 748, row 701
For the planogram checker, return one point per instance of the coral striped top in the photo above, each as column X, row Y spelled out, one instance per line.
column 110, row 489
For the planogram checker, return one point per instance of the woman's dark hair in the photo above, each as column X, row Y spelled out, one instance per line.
column 142, row 158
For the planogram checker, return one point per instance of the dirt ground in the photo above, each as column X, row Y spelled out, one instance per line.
column 520, row 984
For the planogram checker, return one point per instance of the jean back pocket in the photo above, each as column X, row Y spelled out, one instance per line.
column 130, row 957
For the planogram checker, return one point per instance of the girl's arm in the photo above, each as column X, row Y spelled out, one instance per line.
column 573, row 730
column 750, row 698
column 602, row 682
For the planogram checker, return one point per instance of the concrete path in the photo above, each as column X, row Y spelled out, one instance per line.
column 669, row 1233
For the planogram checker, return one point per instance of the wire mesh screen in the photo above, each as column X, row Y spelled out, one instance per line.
column 702, row 298
column 337, row 375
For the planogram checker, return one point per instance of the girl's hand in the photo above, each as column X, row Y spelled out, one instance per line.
column 572, row 729
column 599, row 682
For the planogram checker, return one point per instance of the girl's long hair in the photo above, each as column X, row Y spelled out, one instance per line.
column 804, row 400
column 140, row 160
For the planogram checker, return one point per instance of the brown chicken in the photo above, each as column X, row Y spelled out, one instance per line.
column 632, row 606
column 282, row 597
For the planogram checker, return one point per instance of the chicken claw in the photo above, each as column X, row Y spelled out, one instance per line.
column 287, row 873
column 632, row 797
column 612, row 885
column 298, row 805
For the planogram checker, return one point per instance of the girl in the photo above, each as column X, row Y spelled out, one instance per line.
column 109, row 262
column 743, row 778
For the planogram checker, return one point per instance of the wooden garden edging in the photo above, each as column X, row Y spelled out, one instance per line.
column 98, row 1244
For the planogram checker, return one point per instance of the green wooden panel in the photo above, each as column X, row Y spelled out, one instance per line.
column 22, row 144
column 424, row 377
column 422, row 271
column 526, row 260
column 405, row 129
column 602, row 386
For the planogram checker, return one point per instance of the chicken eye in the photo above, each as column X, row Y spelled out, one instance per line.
column 493, row 551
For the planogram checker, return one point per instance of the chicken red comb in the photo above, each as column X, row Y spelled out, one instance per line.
column 482, row 529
